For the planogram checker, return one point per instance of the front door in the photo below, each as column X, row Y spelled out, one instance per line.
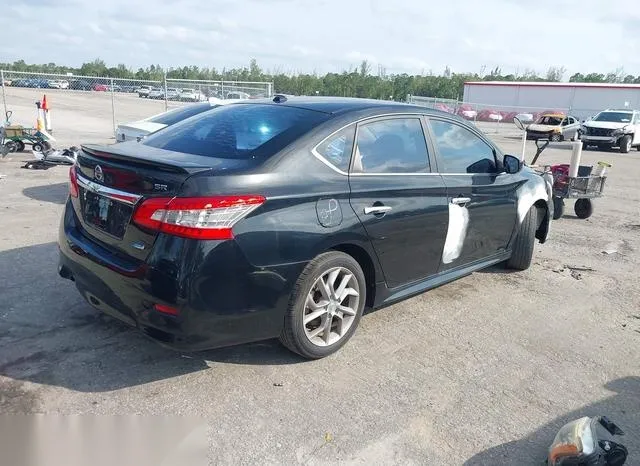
column 400, row 202
column 482, row 201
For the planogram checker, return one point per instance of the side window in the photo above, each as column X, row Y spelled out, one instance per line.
column 338, row 147
column 461, row 151
column 391, row 146
column 572, row 120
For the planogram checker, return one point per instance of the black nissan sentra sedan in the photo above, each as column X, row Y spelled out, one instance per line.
column 287, row 217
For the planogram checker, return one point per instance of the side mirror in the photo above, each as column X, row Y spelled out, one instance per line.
column 512, row 164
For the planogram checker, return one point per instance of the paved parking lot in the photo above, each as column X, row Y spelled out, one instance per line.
column 480, row 371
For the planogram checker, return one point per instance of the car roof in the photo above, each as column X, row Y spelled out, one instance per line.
column 342, row 105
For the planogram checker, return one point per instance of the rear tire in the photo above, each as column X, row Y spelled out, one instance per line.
column 583, row 208
column 20, row 146
column 37, row 147
column 558, row 207
column 297, row 335
column 625, row 144
column 522, row 252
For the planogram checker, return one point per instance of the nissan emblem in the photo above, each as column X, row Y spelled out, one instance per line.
column 97, row 173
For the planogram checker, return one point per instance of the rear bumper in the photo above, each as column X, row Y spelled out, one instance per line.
column 221, row 299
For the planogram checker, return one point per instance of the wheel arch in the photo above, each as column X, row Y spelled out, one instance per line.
column 367, row 264
column 544, row 220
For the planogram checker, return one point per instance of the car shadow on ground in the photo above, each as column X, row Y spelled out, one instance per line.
column 623, row 408
column 55, row 193
column 50, row 335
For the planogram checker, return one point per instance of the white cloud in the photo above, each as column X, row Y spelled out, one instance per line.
column 408, row 36
column 95, row 28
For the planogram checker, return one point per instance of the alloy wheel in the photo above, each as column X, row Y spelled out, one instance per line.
column 331, row 306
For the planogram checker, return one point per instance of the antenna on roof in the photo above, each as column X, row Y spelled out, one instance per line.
column 279, row 98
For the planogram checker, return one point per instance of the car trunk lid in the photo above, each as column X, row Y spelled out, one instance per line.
column 114, row 180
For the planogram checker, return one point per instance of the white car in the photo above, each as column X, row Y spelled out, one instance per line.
column 59, row 84
column 143, row 91
column 555, row 127
column 191, row 95
column 138, row 129
column 156, row 93
column 237, row 95
column 173, row 93
column 612, row 128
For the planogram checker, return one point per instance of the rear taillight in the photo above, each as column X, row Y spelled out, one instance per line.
column 196, row 217
column 73, row 181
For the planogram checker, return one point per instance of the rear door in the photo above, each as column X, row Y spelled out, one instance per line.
column 482, row 201
column 571, row 127
column 398, row 199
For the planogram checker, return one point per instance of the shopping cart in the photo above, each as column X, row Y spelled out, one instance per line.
column 587, row 185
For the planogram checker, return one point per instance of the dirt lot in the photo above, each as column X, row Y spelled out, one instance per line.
column 480, row 371
column 88, row 113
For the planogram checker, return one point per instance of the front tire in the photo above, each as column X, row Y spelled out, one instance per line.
column 325, row 306
column 625, row 144
column 522, row 252
column 555, row 137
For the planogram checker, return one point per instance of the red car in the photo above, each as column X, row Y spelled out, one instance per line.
column 444, row 108
column 490, row 115
column 467, row 112
column 100, row 87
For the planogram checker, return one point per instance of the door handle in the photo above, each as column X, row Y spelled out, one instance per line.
column 377, row 209
column 460, row 200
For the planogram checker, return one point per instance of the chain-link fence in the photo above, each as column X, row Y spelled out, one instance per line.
column 87, row 109
column 491, row 118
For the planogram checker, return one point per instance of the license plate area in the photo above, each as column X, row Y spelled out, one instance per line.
column 105, row 214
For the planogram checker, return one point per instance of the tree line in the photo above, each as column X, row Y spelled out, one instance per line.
column 355, row 82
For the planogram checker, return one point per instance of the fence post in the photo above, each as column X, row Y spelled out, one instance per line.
column 113, row 109
column 166, row 101
column 4, row 96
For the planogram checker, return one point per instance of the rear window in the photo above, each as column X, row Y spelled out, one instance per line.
column 174, row 116
column 238, row 131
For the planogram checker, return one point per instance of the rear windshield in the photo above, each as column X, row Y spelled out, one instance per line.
column 174, row 116
column 615, row 117
column 238, row 131
column 550, row 120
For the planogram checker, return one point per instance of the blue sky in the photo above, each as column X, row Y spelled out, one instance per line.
column 412, row 36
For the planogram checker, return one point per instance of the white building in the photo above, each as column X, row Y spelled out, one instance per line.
column 580, row 99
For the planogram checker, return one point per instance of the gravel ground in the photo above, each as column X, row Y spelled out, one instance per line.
column 481, row 371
